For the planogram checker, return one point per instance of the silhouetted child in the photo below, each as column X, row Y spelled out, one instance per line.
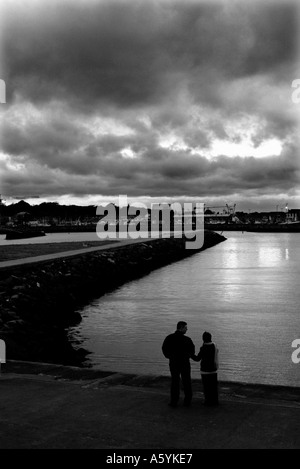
column 208, row 357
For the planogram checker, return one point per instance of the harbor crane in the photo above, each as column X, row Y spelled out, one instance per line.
column 227, row 209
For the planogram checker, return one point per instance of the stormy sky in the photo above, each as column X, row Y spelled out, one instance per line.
column 150, row 98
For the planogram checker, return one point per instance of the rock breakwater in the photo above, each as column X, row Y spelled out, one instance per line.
column 40, row 301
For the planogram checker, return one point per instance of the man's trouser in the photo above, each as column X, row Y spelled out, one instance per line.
column 210, row 388
column 182, row 371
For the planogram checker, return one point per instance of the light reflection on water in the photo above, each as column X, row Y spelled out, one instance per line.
column 245, row 291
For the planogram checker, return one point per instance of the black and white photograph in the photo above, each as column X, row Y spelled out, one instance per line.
column 150, row 227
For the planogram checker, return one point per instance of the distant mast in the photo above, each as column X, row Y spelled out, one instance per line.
column 1, row 205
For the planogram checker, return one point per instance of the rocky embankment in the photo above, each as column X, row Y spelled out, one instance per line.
column 39, row 302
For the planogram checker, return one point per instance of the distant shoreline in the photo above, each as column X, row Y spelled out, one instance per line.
column 258, row 228
column 263, row 228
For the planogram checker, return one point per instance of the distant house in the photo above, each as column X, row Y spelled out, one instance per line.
column 277, row 217
column 293, row 215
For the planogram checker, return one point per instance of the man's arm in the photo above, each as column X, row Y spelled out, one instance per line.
column 197, row 358
column 166, row 347
column 192, row 348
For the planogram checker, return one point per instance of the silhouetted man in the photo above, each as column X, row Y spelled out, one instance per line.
column 179, row 349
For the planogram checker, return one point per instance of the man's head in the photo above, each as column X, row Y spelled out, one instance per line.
column 182, row 327
column 206, row 337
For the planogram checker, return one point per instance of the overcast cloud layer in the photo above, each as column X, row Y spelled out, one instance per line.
column 150, row 98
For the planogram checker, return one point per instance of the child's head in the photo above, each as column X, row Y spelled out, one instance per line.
column 206, row 337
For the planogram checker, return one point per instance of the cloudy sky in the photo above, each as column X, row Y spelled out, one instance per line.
column 150, row 98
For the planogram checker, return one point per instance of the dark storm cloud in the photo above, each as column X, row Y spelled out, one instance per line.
column 157, row 171
column 131, row 53
column 151, row 72
column 71, row 159
column 35, row 137
column 103, row 51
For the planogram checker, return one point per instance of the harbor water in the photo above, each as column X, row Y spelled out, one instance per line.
column 245, row 291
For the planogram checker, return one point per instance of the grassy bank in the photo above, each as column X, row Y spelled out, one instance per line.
column 20, row 251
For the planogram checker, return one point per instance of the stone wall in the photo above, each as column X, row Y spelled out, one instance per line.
column 39, row 302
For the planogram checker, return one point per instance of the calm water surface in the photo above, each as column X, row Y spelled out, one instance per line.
column 245, row 291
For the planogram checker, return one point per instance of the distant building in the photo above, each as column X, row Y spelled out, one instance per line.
column 276, row 217
column 293, row 215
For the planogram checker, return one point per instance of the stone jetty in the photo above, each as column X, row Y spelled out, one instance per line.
column 40, row 301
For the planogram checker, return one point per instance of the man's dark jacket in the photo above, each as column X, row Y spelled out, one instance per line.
column 178, row 348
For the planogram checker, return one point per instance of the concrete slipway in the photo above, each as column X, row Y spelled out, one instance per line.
column 44, row 406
